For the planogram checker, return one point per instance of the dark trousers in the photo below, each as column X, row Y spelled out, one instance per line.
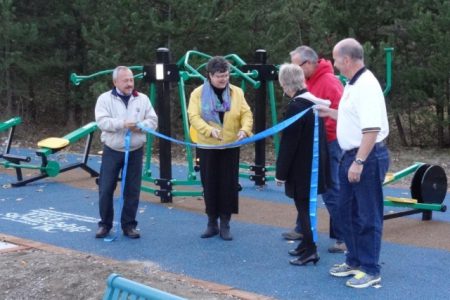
column 219, row 172
column 361, row 209
column 112, row 163
column 302, row 205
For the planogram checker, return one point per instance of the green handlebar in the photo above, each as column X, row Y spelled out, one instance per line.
column 191, row 72
column 388, row 87
column 10, row 123
column 77, row 79
column 400, row 174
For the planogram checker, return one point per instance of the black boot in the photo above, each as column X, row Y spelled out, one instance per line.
column 212, row 229
column 225, row 227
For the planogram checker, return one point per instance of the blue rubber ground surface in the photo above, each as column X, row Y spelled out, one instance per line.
column 256, row 260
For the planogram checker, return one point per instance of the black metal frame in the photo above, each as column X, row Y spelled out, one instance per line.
column 162, row 104
column 266, row 72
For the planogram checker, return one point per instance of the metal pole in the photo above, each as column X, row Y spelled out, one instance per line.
column 163, row 105
column 260, row 120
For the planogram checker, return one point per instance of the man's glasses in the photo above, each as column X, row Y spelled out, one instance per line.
column 303, row 63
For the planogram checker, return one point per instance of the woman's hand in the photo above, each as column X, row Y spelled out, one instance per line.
column 215, row 133
column 241, row 135
column 279, row 182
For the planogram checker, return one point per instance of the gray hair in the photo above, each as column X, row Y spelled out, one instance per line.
column 217, row 64
column 306, row 53
column 117, row 70
column 291, row 77
column 351, row 48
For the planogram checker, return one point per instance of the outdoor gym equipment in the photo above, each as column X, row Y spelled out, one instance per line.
column 260, row 76
column 160, row 75
column 6, row 155
column 428, row 191
column 47, row 168
column 189, row 67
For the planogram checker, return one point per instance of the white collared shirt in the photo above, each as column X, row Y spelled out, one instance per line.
column 362, row 109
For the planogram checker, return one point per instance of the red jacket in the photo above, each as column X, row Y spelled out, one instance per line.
column 324, row 84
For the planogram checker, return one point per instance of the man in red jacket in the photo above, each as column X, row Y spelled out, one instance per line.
column 322, row 83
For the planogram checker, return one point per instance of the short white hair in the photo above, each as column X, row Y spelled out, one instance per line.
column 291, row 77
column 117, row 70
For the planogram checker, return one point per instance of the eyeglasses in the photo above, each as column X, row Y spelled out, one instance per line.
column 303, row 63
column 221, row 76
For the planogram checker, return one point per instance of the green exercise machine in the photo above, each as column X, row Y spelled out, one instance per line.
column 428, row 190
column 159, row 76
column 46, row 147
column 260, row 76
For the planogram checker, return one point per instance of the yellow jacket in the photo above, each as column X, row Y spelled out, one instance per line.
column 239, row 117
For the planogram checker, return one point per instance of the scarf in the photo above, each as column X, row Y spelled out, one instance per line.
column 211, row 105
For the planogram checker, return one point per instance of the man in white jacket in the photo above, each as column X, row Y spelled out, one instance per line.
column 116, row 112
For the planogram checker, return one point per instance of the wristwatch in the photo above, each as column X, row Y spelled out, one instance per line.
column 359, row 161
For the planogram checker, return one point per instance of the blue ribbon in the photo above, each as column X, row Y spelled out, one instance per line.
column 259, row 136
column 122, row 187
column 314, row 179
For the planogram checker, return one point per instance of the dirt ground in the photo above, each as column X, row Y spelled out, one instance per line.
column 49, row 274
column 38, row 271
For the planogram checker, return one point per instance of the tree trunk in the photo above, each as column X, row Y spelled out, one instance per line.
column 447, row 103
column 440, row 127
column 9, row 102
column 32, row 112
column 411, row 131
column 401, row 131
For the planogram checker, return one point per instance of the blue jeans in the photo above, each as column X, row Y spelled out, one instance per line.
column 331, row 197
column 361, row 212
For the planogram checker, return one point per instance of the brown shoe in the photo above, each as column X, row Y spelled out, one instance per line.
column 102, row 232
column 131, row 233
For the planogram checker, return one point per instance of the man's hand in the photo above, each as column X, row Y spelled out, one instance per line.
column 354, row 173
column 325, row 111
column 241, row 135
column 132, row 126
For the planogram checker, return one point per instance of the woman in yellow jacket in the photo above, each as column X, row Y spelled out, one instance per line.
column 219, row 113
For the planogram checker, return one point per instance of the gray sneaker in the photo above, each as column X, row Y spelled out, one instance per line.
column 338, row 247
column 292, row 235
column 363, row 280
column 343, row 270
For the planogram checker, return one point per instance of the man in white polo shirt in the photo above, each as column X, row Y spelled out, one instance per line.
column 362, row 126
